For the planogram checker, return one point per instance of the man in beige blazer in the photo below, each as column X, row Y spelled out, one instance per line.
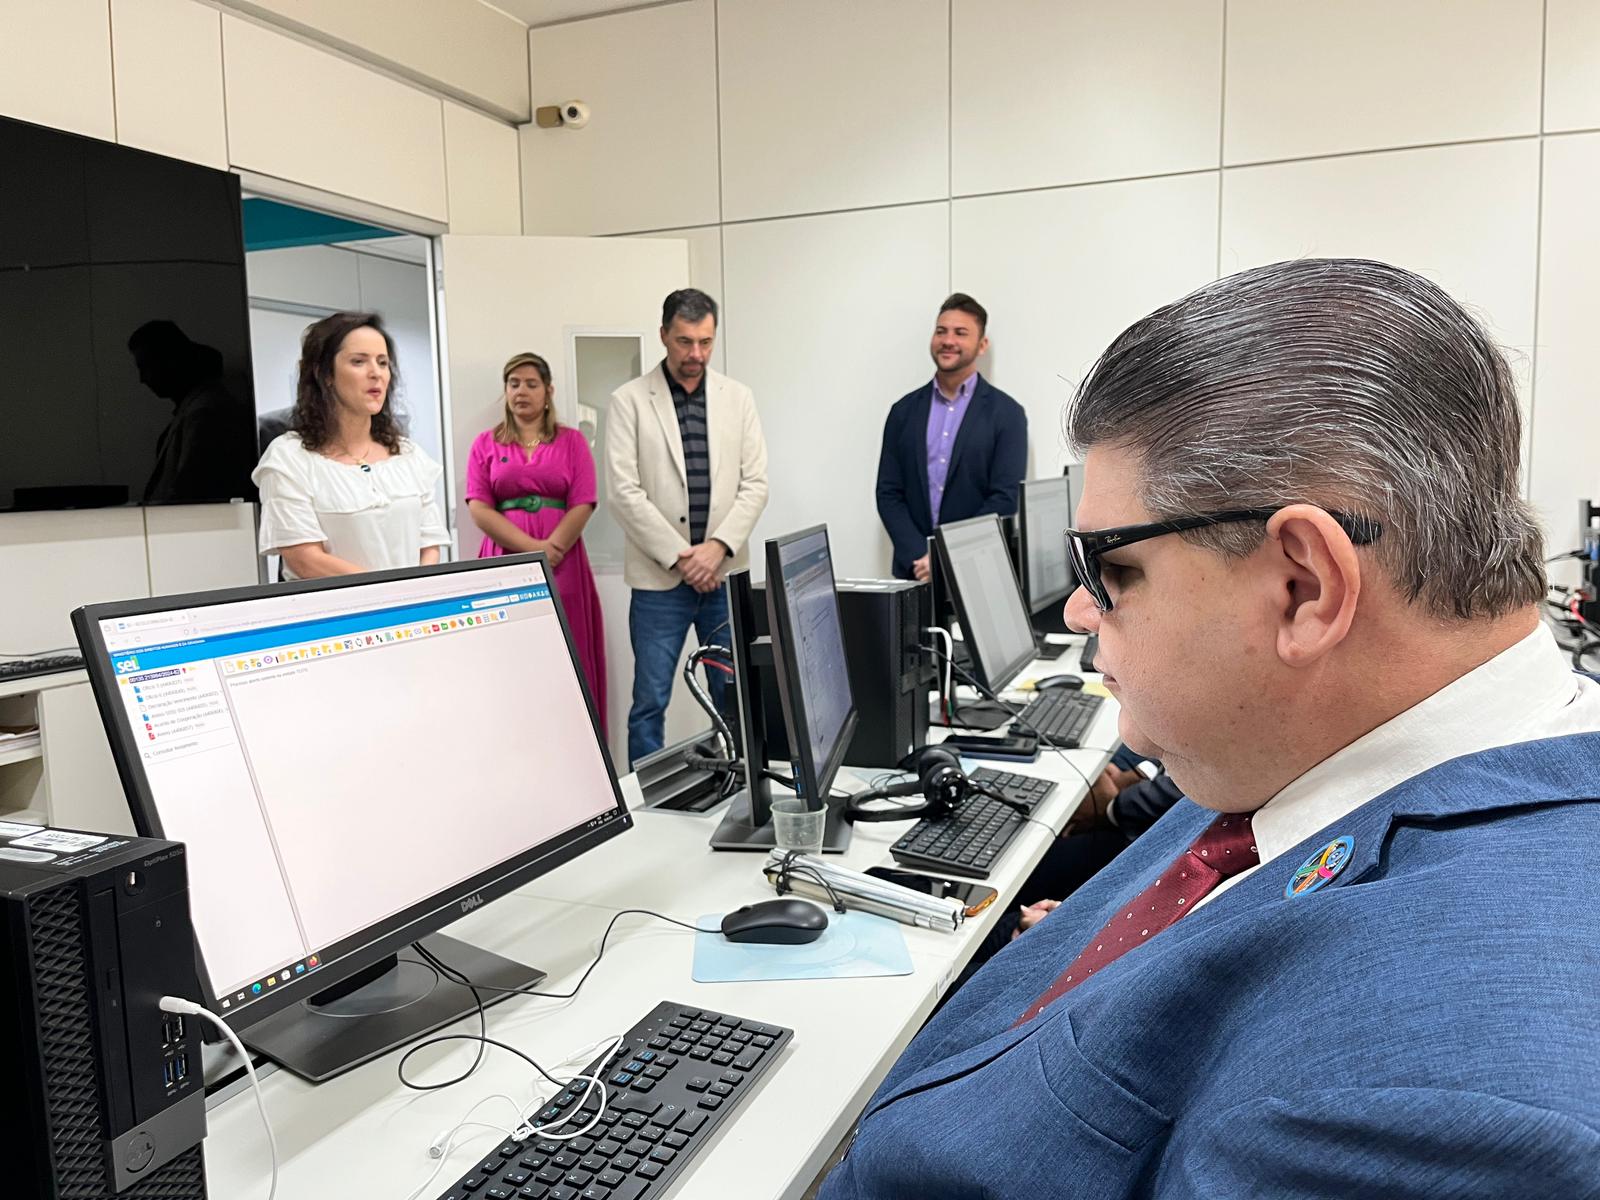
column 688, row 474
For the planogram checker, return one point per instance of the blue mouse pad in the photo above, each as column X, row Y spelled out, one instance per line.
column 854, row 945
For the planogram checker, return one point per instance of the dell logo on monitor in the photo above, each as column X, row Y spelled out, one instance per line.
column 471, row 902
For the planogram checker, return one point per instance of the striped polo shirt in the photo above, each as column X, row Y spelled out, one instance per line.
column 691, row 410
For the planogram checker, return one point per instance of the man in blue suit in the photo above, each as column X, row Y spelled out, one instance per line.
column 952, row 449
column 1360, row 957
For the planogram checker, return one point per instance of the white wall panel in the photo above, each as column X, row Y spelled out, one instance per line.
column 828, row 319
column 196, row 547
column 54, row 561
column 297, row 113
column 55, row 64
column 1305, row 77
column 1465, row 216
column 464, row 48
column 1565, row 463
column 1062, row 272
column 482, row 173
column 1572, row 65
column 648, row 157
column 831, row 104
column 168, row 60
column 705, row 273
column 1045, row 93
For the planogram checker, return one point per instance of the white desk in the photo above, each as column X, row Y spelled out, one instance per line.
column 364, row 1135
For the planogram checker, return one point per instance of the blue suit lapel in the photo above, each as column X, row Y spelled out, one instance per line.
column 964, row 1062
column 917, row 448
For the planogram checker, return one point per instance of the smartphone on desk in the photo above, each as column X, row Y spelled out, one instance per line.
column 973, row 895
column 1019, row 747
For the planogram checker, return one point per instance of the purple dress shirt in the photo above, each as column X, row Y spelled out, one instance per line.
column 944, row 422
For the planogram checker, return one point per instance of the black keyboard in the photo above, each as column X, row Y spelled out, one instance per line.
column 1061, row 716
column 968, row 842
column 21, row 668
column 671, row 1083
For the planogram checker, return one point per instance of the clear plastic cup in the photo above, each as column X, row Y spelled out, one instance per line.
column 796, row 826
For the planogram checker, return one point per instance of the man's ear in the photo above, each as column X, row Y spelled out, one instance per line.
column 1321, row 580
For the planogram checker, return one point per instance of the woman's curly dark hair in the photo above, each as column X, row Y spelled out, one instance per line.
column 314, row 401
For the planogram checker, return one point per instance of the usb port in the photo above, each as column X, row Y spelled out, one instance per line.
column 169, row 1072
column 180, row 1068
column 175, row 1027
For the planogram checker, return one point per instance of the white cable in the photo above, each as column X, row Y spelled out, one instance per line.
column 949, row 661
column 188, row 1008
column 441, row 1152
column 593, row 1081
column 442, row 1146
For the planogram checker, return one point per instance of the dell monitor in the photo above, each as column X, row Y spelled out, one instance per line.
column 994, row 622
column 794, row 650
column 317, row 746
column 819, row 709
column 1044, row 570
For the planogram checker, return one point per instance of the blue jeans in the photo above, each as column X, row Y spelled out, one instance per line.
column 658, row 622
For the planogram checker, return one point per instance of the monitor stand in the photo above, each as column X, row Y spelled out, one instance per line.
column 738, row 833
column 984, row 715
column 1049, row 651
column 398, row 1000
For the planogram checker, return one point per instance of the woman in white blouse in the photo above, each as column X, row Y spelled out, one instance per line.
column 343, row 491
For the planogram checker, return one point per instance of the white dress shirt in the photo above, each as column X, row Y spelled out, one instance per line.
column 1526, row 692
column 378, row 518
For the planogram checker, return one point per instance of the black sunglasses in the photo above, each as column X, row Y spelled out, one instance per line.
column 1084, row 547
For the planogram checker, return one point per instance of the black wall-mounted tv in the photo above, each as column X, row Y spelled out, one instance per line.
column 124, row 329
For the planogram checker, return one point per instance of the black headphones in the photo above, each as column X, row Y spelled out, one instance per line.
column 941, row 782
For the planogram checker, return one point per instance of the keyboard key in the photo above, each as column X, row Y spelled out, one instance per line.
column 691, row 1122
column 698, row 1084
column 649, row 1170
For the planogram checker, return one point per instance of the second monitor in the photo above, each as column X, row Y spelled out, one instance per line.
column 805, row 651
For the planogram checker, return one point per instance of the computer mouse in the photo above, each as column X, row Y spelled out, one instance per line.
column 783, row 922
column 1058, row 681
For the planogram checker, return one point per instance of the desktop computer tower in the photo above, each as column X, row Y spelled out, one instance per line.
column 107, row 1091
column 884, row 623
column 890, row 675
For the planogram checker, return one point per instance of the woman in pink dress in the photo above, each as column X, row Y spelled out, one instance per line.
column 531, row 486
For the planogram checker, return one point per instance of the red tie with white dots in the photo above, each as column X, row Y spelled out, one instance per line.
column 1225, row 848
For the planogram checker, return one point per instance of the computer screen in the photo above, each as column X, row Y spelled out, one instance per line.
column 1045, row 512
column 353, row 763
column 994, row 622
column 808, row 641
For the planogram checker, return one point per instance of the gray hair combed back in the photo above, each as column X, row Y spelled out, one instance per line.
column 1350, row 384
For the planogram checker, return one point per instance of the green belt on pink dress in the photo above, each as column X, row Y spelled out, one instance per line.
column 531, row 503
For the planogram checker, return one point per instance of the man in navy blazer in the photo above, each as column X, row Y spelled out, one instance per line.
column 1359, row 958
column 952, row 449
